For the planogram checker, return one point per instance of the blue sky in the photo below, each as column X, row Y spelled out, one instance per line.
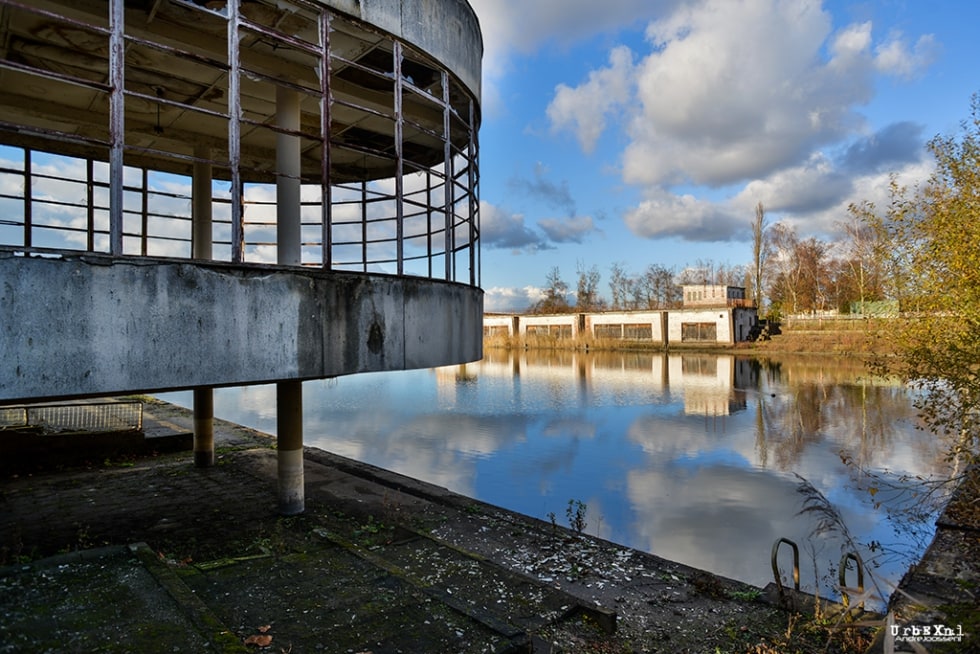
column 646, row 131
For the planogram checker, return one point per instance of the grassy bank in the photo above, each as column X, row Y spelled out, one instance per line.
column 833, row 337
column 845, row 342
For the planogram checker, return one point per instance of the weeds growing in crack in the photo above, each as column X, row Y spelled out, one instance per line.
column 374, row 532
column 576, row 515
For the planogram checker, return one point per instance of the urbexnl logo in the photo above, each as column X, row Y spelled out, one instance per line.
column 936, row 633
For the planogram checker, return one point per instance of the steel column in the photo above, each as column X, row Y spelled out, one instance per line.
column 364, row 226
column 117, row 123
column 474, row 209
column 28, row 199
column 90, row 201
column 399, row 158
column 448, row 191
column 144, row 210
column 326, row 107
column 234, row 133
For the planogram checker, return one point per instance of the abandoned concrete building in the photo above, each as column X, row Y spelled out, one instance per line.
column 218, row 193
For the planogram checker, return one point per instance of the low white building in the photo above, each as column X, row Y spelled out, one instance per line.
column 719, row 325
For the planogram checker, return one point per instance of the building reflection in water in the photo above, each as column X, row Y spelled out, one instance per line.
column 689, row 456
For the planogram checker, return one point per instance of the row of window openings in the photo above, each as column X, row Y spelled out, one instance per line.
column 689, row 331
column 694, row 296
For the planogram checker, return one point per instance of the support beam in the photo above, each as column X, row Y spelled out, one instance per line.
column 201, row 219
column 289, row 395
column 288, row 214
column 289, row 430
column 203, row 427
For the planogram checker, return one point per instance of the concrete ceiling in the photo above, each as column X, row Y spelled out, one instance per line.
column 54, row 72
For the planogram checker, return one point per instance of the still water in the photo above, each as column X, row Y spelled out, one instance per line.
column 698, row 458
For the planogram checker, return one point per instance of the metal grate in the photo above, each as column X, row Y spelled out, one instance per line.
column 93, row 417
column 13, row 417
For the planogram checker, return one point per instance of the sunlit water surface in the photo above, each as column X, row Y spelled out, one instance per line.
column 693, row 457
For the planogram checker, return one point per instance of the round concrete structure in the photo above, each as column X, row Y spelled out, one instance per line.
column 332, row 134
column 158, row 139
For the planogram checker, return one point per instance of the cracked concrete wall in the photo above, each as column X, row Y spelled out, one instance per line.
column 90, row 325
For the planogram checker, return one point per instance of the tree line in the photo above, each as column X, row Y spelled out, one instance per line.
column 787, row 274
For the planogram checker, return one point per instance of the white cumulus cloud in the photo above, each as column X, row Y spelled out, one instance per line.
column 742, row 101
column 896, row 58
column 509, row 300
column 584, row 109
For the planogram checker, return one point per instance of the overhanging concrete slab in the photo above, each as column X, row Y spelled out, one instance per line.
column 91, row 325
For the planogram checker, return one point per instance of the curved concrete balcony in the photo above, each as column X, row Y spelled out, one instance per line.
column 92, row 325
column 235, row 192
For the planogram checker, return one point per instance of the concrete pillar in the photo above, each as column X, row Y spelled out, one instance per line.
column 201, row 249
column 289, row 440
column 288, row 218
column 203, row 427
column 201, row 204
column 289, row 395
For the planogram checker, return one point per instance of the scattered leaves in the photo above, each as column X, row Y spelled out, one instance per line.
column 259, row 640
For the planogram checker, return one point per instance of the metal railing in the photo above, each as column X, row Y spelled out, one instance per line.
column 76, row 417
column 389, row 177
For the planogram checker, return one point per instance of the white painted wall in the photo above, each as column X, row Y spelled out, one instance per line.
column 720, row 317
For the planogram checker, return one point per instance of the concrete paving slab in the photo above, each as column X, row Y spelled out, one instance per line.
column 103, row 600
column 378, row 562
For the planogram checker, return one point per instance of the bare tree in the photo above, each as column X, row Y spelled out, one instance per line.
column 706, row 271
column 700, row 273
column 660, row 290
column 619, row 286
column 801, row 277
column 812, row 275
column 864, row 261
column 761, row 250
column 729, row 275
column 782, row 287
column 587, row 294
column 555, row 298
